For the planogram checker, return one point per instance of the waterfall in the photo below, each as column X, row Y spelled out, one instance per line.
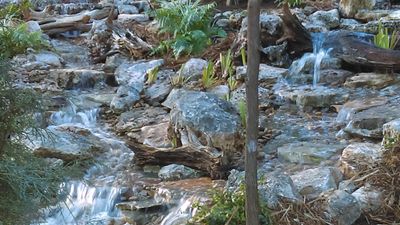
column 319, row 54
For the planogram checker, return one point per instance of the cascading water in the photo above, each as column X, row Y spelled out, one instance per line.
column 319, row 53
column 94, row 198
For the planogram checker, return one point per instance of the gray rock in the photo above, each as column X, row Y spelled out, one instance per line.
column 357, row 156
column 277, row 55
column 177, row 172
column 103, row 99
column 131, row 18
column 239, row 95
column 369, row 80
column 268, row 75
column 369, row 122
column 308, row 153
column 194, row 68
column 347, row 186
column 203, row 119
column 276, row 187
column 223, row 22
column 342, row 207
column 155, row 136
column 271, row 23
column 327, row 19
column 135, row 72
column 369, row 199
column 156, row 93
column 134, row 120
column 312, row 182
column 33, row 26
column 126, row 97
column 371, row 15
column 273, row 187
column 349, row 108
column 221, row 91
column 127, row 9
column 348, row 8
column 67, row 142
column 334, row 77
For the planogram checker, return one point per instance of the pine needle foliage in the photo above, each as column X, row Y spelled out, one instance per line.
column 189, row 25
column 16, row 39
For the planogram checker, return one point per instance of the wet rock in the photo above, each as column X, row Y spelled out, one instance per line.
column 358, row 156
column 75, row 56
column 268, row 75
column 67, row 142
column 347, row 186
column 352, row 107
column 132, row 18
column 127, row 9
column 273, row 187
column 312, row 182
column 326, row 19
column 126, row 98
column 177, row 172
column 77, row 78
column 391, row 133
column 369, row 80
column 277, row 55
column 334, row 77
column 103, row 99
column 368, row 123
column 342, row 207
column 193, row 69
column 307, row 97
column 135, row 72
column 140, row 205
column 308, row 153
column 348, row 8
column 369, row 198
column 221, row 91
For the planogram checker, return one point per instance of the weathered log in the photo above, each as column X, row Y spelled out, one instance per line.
column 358, row 49
column 205, row 159
column 298, row 38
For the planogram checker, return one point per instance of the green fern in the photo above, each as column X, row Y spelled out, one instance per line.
column 189, row 24
column 384, row 40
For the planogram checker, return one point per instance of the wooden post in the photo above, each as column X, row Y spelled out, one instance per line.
column 253, row 63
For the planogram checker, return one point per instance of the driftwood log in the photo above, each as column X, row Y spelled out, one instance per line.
column 205, row 159
column 294, row 33
column 358, row 49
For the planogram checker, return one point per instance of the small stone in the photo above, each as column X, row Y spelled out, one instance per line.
column 347, row 186
column 177, row 172
column 342, row 207
column 193, row 68
column 127, row 9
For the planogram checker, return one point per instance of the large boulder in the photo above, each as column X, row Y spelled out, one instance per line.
column 201, row 118
column 327, row 20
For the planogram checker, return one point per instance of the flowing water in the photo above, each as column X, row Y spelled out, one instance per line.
column 319, row 53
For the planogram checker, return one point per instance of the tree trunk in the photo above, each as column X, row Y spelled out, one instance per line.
column 253, row 63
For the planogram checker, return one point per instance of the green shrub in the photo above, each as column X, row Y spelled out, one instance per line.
column 15, row 10
column 227, row 208
column 189, row 25
column 384, row 40
column 15, row 39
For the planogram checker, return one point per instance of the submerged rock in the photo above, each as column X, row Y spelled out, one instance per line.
column 177, row 172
